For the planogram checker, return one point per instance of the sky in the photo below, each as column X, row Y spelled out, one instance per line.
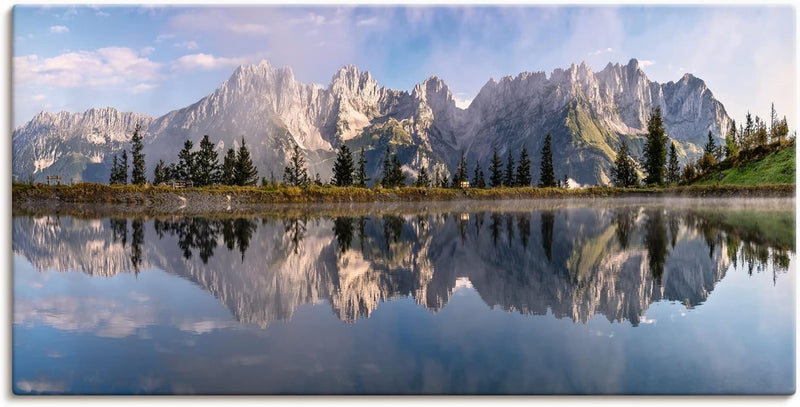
column 152, row 59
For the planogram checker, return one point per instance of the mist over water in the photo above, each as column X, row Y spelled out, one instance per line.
column 591, row 296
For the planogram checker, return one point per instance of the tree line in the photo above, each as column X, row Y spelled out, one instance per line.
column 660, row 163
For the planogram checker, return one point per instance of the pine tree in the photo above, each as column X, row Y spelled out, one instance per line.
column 524, row 168
column 478, row 180
column 655, row 149
column 137, row 173
column 296, row 174
column 343, row 168
column 396, row 176
column 186, row 161
column 461, row 172
column 565, row 183
column 207, row 168
column 508, row 180
column 673, row 169
column 158, row 173
column 423, row 180
column 317, row 180
column 747, row 134
column 244, row 173
column 228, row 167
column 496, row 176
column 708, row 159
column 731, row 147
column 547, row 178
column 386, row 176
column 437, row 180
column 361, row 173
column 773, row 123
column 624, row 174
column 123, row 169
column 114, row 177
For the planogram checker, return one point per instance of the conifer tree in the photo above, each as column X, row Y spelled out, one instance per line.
column 386, row 175
column 423, row 180
column 461, row 172
column 114, row 177
column 624, row 174
column 158, row 173
column 547, row 177
column 296, row 173
column 478, row 180
column 137, row 156
column 655, row 149
column 508, row 180
column 207, row 168
column 496, row 176
column 437, row 180
column 186, row 166
column 396, row 176
column 343, row 168
column 524, row 168
column 361, row 173
column 731, row 147
column 245, row 173
column 123, row 169
column 228, row 167
column 673, row 169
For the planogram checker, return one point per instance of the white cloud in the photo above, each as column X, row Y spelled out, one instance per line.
column 462, row 103
column 251, row 29
column 146, row 51
column 205, row 62
column 310, row 18
column 190, row 45
column 601, row 51
column 100, row 13
column 59, row 29
column 164, row 37
column 102, row 67
column 646, row 62
column 38, row 98
column 367, row 21
column 41, row 386
column 142, row 87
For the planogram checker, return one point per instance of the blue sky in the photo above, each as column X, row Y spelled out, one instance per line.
column 155, row 59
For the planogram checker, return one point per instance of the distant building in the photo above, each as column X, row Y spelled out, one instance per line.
column 464, row 184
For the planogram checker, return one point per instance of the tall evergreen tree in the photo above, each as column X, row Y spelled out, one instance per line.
column 396, row 176
column 114, row 177
column 158, row 173
column 524, row 168
column 343, row 168
column 207, row 168
column 731, row 147
column 655, row 149
column 361, row 172
column 386, row 175
column 624, row 174
column 508, row 179
column 137, row 156
column 296, row 173
column 710, row 144
column 478, row 180
column 245, row 173
column 773, row 122
column 423, row 179
column 496, row 176
column 548, row 177
column 461, row 172
column 673, row 169
column 437, row 179
column 228, row 167
column 123, row 169
column 748, row 133
column 186, row 167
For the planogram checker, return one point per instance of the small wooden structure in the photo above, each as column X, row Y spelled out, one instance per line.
column 55, row 178
column 177, row 184
column 464, row 184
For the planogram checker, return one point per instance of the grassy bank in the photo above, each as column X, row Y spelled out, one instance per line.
column 226, row 195
column 763, row 166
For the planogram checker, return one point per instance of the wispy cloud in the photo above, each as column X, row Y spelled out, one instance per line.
column 202, row 61
column 367, row 21
column 100, row 13
column 38, row 98
column 163, row 37
column 142, row 87
column 102, row 67
column 146, row 51
column 190, row 45
column 310, row 18
column 252, row 29
column 601, row 51
column 646, row 62
column 59, row 29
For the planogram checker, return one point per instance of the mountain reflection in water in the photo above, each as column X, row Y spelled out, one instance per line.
column 575, row 262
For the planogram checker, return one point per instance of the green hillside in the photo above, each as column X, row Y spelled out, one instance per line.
column 770, row 167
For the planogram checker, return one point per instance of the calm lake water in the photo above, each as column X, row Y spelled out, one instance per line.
column 597, row 297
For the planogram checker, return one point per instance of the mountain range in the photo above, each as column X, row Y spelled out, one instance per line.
column 587, row 113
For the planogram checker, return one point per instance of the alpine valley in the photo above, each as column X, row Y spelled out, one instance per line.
column 587, row 113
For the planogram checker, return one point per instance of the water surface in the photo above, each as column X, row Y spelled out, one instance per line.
column 538, row 298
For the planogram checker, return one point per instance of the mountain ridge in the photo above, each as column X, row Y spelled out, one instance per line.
column 273, row 112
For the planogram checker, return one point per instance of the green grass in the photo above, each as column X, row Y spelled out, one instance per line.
column 772, row 167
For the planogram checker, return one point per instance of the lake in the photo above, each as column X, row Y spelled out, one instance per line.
column 690, row 296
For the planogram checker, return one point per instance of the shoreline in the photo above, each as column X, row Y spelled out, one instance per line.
column 89, row 199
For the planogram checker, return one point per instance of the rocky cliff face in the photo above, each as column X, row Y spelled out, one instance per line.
column 587, row 113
